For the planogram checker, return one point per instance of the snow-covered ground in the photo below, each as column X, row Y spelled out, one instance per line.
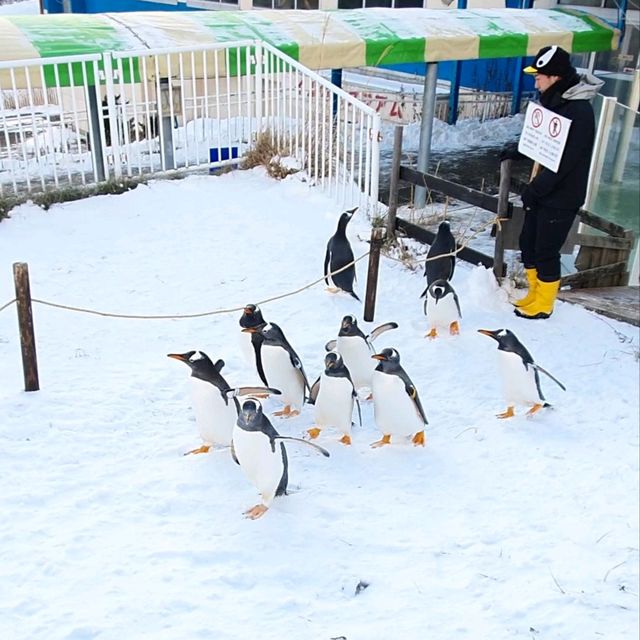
column 525, row 528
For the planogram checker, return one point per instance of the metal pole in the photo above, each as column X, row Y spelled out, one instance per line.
column 166, row 122
column 426, row 128
column 336, row 79
column 95, row 113
column 393, row 182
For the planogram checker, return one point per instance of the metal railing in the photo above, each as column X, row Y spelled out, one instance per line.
column 142, row 113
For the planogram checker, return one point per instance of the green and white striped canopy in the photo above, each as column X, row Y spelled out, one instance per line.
column 317, row 39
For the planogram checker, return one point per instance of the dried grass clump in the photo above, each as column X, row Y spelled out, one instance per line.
column 266, row 152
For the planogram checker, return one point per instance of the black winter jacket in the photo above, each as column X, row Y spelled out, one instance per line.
column 567, row 188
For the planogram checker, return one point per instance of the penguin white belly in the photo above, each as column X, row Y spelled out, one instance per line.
column 260, row 464
column 282, row 375
column 246, row 348
column 519, row 384
column 440, row 315
column 394, row 411
column 334, row 404
column 214, row 418
column 357, row 358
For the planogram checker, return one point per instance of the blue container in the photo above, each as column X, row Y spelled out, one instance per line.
column 223, row 153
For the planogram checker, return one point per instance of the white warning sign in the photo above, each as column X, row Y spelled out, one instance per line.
column 544, row 136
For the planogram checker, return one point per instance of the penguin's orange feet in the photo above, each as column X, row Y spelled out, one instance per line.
column 286, row 412
column 293, row 413
column 314, row 432
column 418, row 439
column 432, row 334
column 345, row 439
column 454, row 328
column 386, row 439
column 536, row 407
column 256, row 512
column 203, row 449
column 509, row 413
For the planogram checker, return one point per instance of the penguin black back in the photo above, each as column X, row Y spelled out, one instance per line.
column 339, row 254
column 441, row 268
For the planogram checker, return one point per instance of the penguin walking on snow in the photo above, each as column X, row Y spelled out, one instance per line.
column 520, row 374
column 216, row 412
column 334, row 396
column 260, row 452
column 282, row 367
column 397, row 408
column 250, row 341
column 339, row 254
column 356, row 349
column 441, row 268
column 442, row 308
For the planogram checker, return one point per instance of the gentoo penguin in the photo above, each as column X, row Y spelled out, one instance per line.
column 338, row 255
column 356, row 349
column 436, row 268
column 397, row 408
column 250, row 342
column 520, row 378
column 282, row 367
column 216, row 412
column 262, row 459
column 334, row 396
column 442, row 308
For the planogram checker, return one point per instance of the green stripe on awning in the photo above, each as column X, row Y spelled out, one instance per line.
column 599, row 36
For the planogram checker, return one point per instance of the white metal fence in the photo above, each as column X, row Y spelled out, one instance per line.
column 83, row 120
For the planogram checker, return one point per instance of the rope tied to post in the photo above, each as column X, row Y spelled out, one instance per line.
column 192, row 315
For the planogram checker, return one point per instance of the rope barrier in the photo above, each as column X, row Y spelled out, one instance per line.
column 191, row 315
column 4, row 306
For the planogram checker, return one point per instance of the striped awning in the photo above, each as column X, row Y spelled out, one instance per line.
column 317, row 39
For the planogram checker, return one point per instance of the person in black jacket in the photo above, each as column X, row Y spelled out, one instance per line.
column 552, row 199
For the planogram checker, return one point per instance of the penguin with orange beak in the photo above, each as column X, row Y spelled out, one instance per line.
column 397, row 408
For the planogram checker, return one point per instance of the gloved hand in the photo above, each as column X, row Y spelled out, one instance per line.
column 529, row 198
column 510, row 152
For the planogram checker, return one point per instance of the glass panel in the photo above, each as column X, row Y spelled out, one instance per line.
column 616, row 194
column 407, row 4
column 350, row 4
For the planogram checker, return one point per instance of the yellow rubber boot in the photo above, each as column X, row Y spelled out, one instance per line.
column 532, row 279
column 542, row 306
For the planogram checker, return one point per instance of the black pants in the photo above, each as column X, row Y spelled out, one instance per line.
column 543, row 233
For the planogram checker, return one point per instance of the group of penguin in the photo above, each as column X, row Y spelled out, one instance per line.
column 351, row 366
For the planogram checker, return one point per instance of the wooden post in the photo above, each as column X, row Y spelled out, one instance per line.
column 503, row 210
column 377, row 238
column 25, row 322
column 394, row 179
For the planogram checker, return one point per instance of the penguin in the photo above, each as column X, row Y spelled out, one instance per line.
column 261, row 457
column 282, row 368
column 436, row 268
column 397, row 408
column 215, row 413
column 356, row 349
column 339, row 254
column 334, row 396
column 520, row 374
column 442, row 308
column 250, row 342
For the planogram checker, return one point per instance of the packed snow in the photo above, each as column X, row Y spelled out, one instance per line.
column 521, row 528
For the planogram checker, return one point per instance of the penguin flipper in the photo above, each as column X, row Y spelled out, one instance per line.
column 233, row 454
column 412, row 392
column 355, row 395
column 327, row 260
column 331, row 345
column 322, row 450
column 315, row 389
column 455, row 299
column 387, row 326
column 353, row 295
column 537, row 367
column 218, row 365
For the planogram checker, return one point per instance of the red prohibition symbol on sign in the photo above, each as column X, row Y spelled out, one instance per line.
column 536, row 118
column 555, row 127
